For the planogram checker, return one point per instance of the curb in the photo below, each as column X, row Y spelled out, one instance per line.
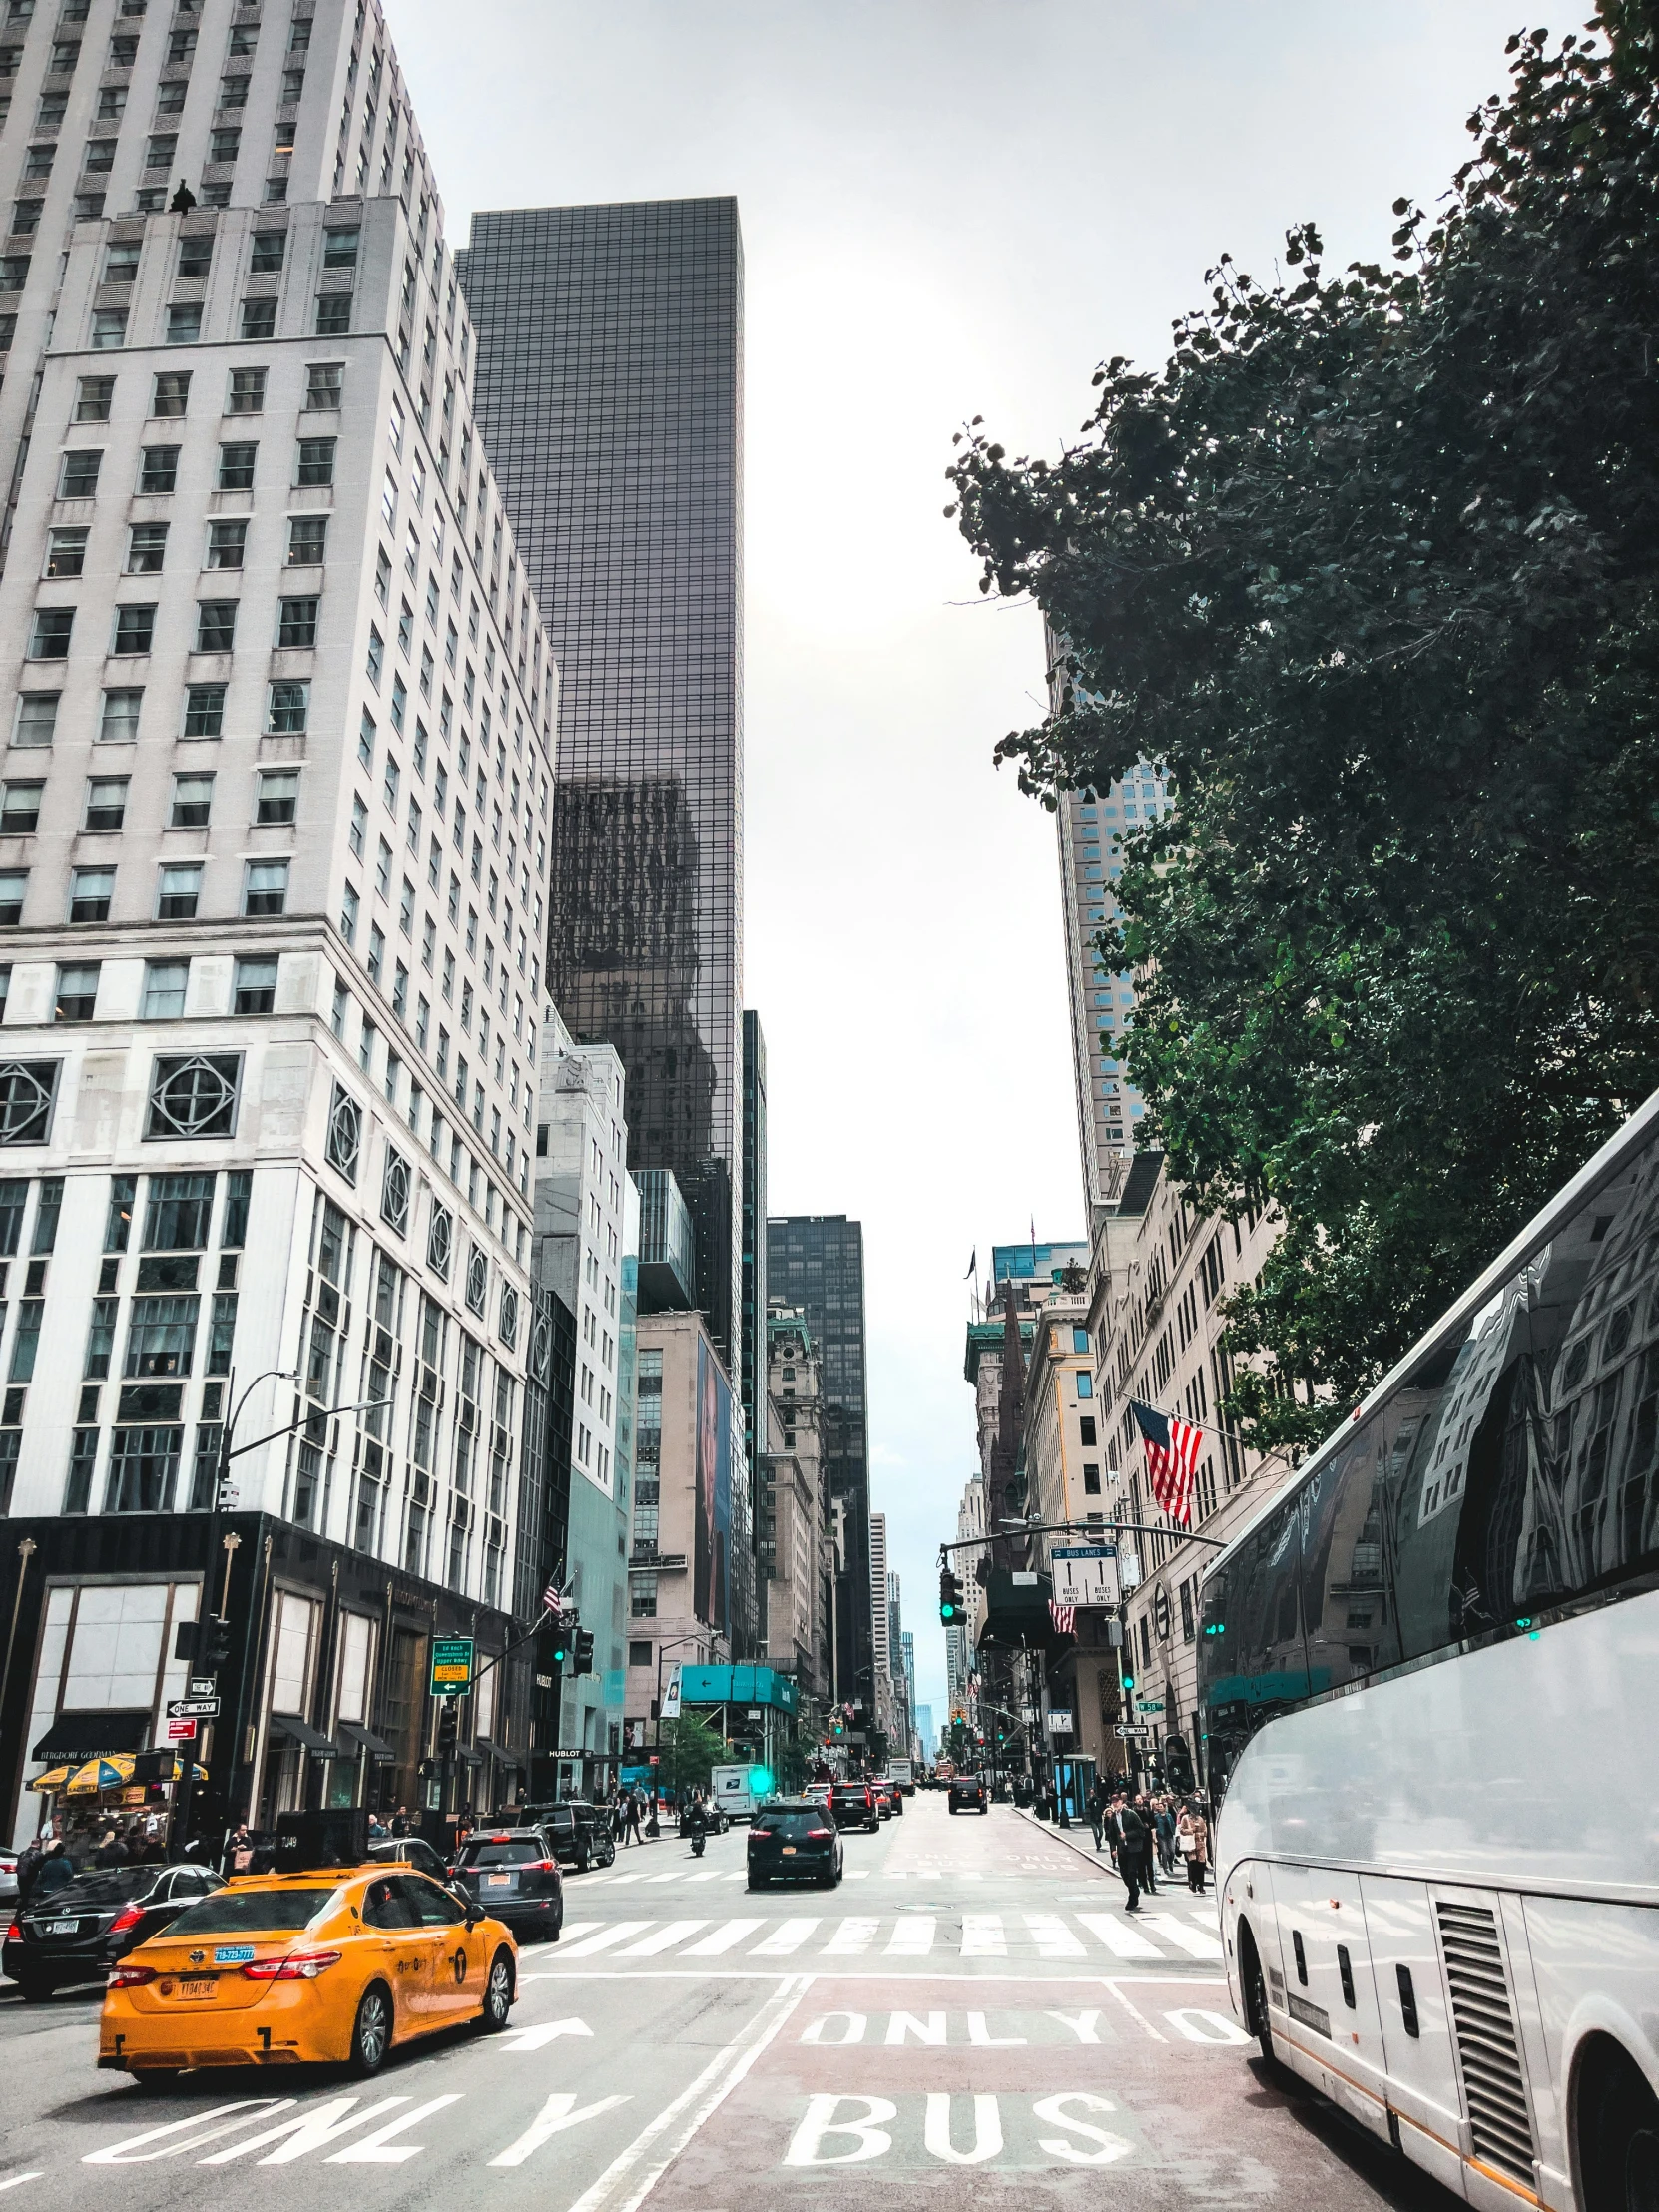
column 1101, row 1860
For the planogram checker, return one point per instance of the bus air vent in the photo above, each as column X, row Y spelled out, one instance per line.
column 1488, row 2054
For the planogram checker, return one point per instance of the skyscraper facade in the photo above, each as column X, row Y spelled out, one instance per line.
column 274, row 801
column 816, row 1262
column 752, row 1305
column 610, row 391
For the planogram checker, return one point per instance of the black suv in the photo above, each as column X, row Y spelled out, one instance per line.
column 970, row 1790
column 794, row 1840
column 853, row 1805
column 77, row 1934
column 580, row 1832
column 513, row 1873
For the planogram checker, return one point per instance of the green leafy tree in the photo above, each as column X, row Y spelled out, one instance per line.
column 1372, row 569
column 688, row 1751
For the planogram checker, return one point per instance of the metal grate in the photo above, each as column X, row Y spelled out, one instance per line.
column 1488, row 2054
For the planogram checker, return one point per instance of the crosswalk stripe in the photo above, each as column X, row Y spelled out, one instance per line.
column 661, row 1939
column 1054, row 1939
column 983, row 1936
column 1122, row 1942
column 709, row 1873
column 603, row 1938
column 789, row 1936
column 578, row 1928
column 852, row 1938
column 1192, row 1941
column 913, row 1935
column 675, row 1873
column 725, row 1937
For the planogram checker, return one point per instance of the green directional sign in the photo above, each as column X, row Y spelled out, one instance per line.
column 453, row 1658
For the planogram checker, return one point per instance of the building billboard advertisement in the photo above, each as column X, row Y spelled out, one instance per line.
column 712, row 1562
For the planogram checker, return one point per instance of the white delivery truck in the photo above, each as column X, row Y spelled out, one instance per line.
column 735, row 1791
column 903, row 1774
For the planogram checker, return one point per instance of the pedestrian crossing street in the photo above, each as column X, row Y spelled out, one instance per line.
column 1181, row 1932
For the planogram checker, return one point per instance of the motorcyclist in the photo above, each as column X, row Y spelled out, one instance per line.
column 695, row 1822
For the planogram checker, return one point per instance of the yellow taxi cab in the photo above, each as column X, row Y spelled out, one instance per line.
column 284, row 1970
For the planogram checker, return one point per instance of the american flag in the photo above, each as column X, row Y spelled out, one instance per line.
column 1172, row 1449
column 1065, row 1617
column 551, row 1599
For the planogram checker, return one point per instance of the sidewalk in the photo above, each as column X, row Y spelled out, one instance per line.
column 1068, row 1835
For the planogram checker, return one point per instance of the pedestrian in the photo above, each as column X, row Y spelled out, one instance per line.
column 1097, row 1810
column 1193, row 1837
column 400, row 1821
column 650, row 1826
column 633, row 1836
column 56, row 1871
column 111, row 1852
column 1132, row 1844
column 238, row 1851
column 28, row 1867
column 1166, row 1834
column 1149, row 1832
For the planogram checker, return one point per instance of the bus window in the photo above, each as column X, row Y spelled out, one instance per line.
column 1348, row 1600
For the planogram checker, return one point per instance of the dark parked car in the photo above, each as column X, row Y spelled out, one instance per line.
column 580, row 1832
column 513, row 1873
column 968, row 1790
column 411, row 1851
column 79, row 1932
column 794, row 1840
column 853, row 1805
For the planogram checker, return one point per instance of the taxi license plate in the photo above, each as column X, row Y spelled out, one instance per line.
column 63, row 1928
column 499, row 1880
column 198, row 1985
column 788, row 1851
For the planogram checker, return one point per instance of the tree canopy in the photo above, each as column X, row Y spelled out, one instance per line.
column 1370, row 567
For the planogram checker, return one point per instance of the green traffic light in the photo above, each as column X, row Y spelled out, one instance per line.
column 1129, row 1681
column 760, row 1781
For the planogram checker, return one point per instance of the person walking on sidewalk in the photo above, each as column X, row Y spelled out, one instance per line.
column 1133, row 1842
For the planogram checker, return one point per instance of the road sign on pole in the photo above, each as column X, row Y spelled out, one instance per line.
column 1134, row 1735
column 181, row 1732
column 1085, row 1574
column 193, row 1709
column 453, row 1658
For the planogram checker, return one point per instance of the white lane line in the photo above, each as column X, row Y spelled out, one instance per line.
column 1121, row 1941
column 851, row 1939
column 1135, row 2013
column 664, row 1939
column 629, row 2179
column 913, row 1935
column 1054, row 1939
column 1190, row 1940
column 983, row 1936
column 789, row 1936
column 12, row 2181
column 858, row 1873
column 618, row 1932
column 725, row 1937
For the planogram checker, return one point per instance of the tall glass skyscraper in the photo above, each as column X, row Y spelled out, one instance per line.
column 610, row 395
column 816, row 1262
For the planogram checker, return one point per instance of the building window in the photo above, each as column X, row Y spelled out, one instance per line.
column 90, row 892
column 507, row 1327
column 105, row 802
column 184, row 327
column 52, row 630
column 290, row 706
column 325, row 381
column 226, row 543
column 236, row 468
column 395, row 1192
column 194, row 1096
column 315, row 461
column 165, row 984
column 178, row 1213
column 37, row 718
column 258, row 319
column 297, row 623
column 1091, row 1477
column 144, row 1469
column 265, row 887
column 255, row 986
column 93, row 397
column 79, row 477
column 19, row 808
column 28, row 1090
column 244, row 393
column 278, row 795
column 340, row 247
column 269, row 247
column 478, row 1280
column 118, row 721
column 158, row 470
column 334, row 316
column 170, row 394
column 346, row 1134
column 77, row 993
column 205, row 710
column 440, row 1241
column 193, row 797
column 14, row 883
column 308, row 540
column 238, row 1189
column 66, row 553
column 145, row 548
column 179, row 892
column 135, row 629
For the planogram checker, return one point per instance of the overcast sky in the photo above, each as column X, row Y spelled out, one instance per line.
column 950, row 208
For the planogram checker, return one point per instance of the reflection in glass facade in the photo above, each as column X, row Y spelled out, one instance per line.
column 816, row 1262
column 610, row 397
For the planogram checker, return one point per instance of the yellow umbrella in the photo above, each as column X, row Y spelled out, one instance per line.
column 53, row 1778
column 100, row 1774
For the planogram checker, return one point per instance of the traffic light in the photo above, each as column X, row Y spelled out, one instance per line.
column 552, row 1650
column 1128, row 1679
column 449, row 1728
column 950, row 1598
column 760, row 1781
column 212, row 1645
column 583, row 1651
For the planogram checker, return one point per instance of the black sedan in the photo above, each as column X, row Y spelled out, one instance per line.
column 969, row 1793
column 77, row 1932
column 794, row 1840
column 514, row 1874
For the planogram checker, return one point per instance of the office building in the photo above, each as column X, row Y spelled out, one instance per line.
column 792, row 1545
column 753, row 1238
column 816, row 1262
column 610, row 390
column 274, row 811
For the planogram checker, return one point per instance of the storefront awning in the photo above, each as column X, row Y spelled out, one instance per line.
column 94, row 1733
column 468, row 1756
column 493, row 1750
column 289, row 1728
column 354, row 1738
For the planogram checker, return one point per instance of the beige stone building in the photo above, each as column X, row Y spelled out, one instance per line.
column 796, row 1551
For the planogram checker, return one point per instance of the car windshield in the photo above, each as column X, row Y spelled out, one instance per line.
column 785, row 1824
column 252, row 1911
column 517, row 1853
column 98, row 1892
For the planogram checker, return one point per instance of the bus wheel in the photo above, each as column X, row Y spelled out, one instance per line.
column 1255, row 1995
column 1618, row 2135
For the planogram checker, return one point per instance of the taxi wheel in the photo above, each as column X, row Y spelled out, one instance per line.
column 498, row 1994
column 371, row 2030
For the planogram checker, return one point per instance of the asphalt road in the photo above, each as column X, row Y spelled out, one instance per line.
column 972, row 1996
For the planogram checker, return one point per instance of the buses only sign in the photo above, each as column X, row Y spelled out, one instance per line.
column 1085, row 1574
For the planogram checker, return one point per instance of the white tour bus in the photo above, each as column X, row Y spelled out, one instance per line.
column 1429, row 1672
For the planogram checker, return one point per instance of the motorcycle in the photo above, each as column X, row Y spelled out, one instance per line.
column 697, row 1844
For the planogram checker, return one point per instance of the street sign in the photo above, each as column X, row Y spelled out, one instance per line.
column 1153, row 1704
column 181, row 1732
column 193, row 1709
column 205, row 1687
column 451, row 1665
column 1085, row 1574
column 1134, row 1735
column 1059, row 1722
